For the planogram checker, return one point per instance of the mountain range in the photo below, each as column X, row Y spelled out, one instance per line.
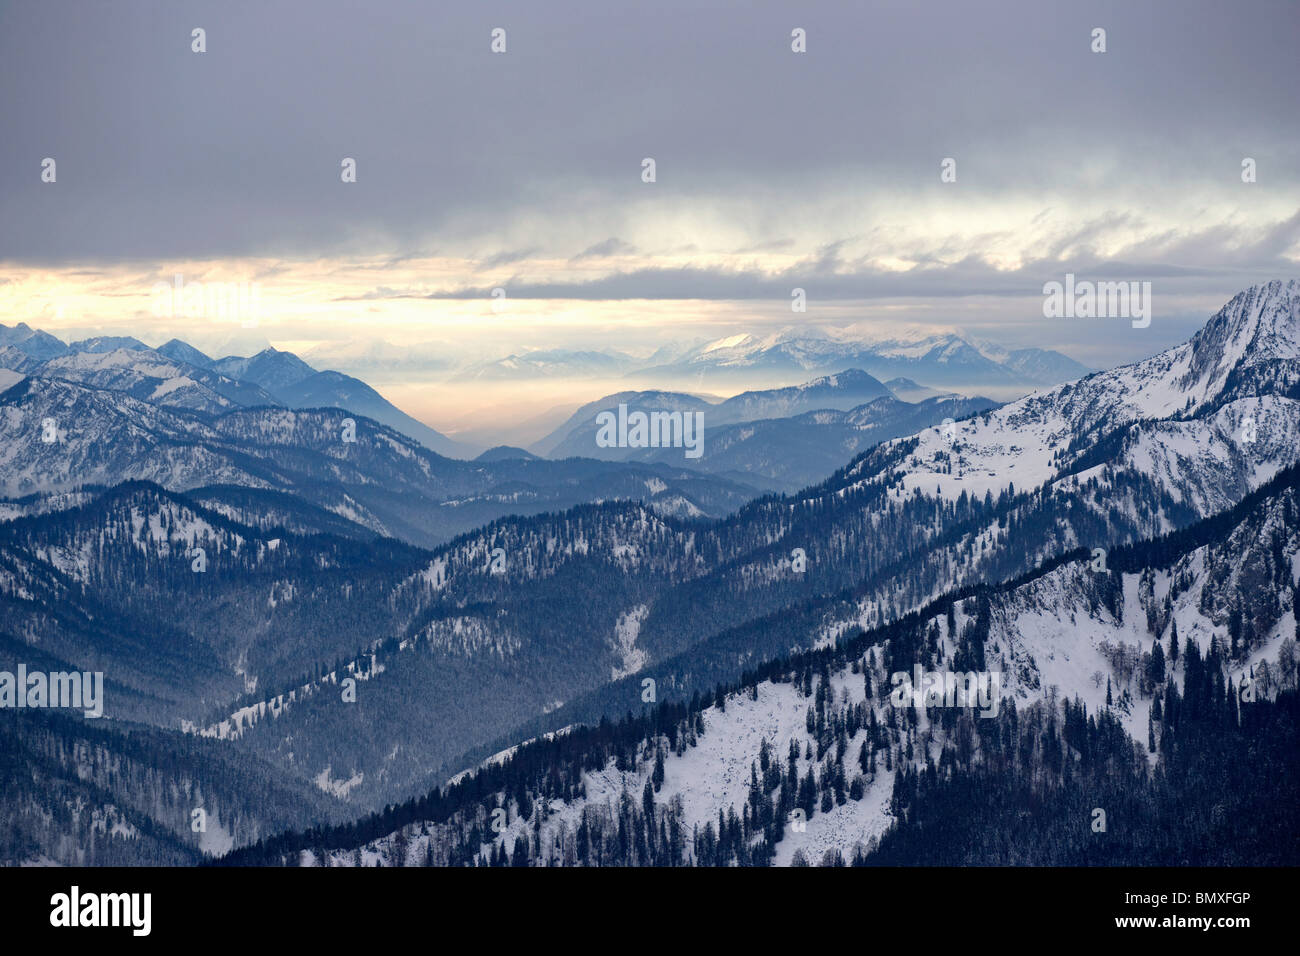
column 177, row 374
column 1115, row 458
column 846, row 390
column 809, row 759
column 937, row 357
column 552, row 650
column 778, row 439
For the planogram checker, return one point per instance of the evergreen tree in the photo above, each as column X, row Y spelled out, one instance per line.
column 1156, row 676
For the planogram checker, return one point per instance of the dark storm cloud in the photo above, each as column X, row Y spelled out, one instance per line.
column 162, row 152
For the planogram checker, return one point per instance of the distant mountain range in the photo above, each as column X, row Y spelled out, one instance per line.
column 786, row 454
column 939, row 358
column 936, row 359
column 1120, row 456
column 177, row 374
column 779, row 439
column 366, row 472
column 549, row 363
column 944, row 359
column 843, row 391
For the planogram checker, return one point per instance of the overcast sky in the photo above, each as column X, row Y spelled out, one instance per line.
column 523, row 170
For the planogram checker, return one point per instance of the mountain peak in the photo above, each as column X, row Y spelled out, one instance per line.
column 184, row 352
column 730, row 342
column 1249, row 344
column 109, row 343
column 269, row 368
column 31, row 342
column 505, row 453
column 1271, row 308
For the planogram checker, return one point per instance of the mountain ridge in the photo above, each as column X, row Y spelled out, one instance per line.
column 176, row 373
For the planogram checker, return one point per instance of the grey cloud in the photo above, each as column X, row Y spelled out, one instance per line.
column 506, row 258
column 971, row 276
column 162, row 152
column 613, row 246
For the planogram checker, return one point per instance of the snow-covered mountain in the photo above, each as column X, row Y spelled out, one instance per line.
column 184, row 352
column 336, row 390
column 932, row 356
column 910, row 391
column 996, row 516
column 548, row 363
column 32, row 343
column 108, row 343
column 908, row 521
column 108, row 562
column 366, row 472
column 295, row 384
column 1208, row 418
column 177, row 374
column 845, row 390
column 577, row 436
column 270, row 368
column 691, row 604
column 943, row 359
column 805, row 759
column 153, row 377
column 789, row 452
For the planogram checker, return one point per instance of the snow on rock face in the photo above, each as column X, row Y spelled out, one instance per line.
column 1246, row 353
column 1076, row 631
column 631, row 657
column 1256, row 335
column 144, row 374
column 1074, row 628
column 677, row 506
column 102, row 437
column 339, row 788
column 171, row 385
column 710, row 778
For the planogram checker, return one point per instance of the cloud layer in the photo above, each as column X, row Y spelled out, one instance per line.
column 522, row 171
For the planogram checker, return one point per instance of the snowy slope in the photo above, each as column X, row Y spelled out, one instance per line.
column 1069, row 632
column 933, row 356
column 153, row 377
column 1242, row 365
